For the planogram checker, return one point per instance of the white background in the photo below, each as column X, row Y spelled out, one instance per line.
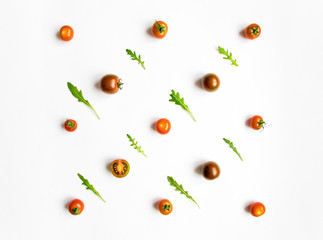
column 279, row 77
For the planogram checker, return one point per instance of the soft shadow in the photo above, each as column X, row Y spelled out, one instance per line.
column 67, row 202
column 241, row 33
column 153, row 125
column 247, row 206
column 148, row 31
column 198, row 83
column 155, row 203
column 63, row 124
column 57, row 35
column 199, row 167
column 247, row 122
column 97, row 85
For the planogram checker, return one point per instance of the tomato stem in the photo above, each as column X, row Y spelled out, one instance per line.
column 76, row 211
column 262, row 125
column 160, row 28
column 120, row 83
column 255, row 31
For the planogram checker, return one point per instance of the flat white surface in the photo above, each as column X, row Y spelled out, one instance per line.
column 279, row 77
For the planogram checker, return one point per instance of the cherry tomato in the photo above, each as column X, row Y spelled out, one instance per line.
column 210, row 82
column 76, row 207
column 165, row 207
column 159, row 29
column 70, row 125
column 120, row 168
column 66, row 33
column 163, row 126
column 257, row 209
column 256, row 122
column 252, row 31
column 110, row 84
column 211, row 170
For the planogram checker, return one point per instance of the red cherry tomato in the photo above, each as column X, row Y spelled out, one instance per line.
column 257, row 122
column 163, row 126
column 70, row 125
column 120, row 168
column 257, row 209
column 159, row 29
column 66, row 33
column 252, row 31
column 165, row 207
column 76, row 207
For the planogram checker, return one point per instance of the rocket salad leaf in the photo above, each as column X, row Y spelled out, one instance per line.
column 89, row 186
column 175, row 97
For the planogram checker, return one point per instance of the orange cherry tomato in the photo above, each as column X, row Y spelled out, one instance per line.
column 70, row 125
column 66, row 33
column 163, row 126
column 252, row 31
column 256, row 122
column 257, row 209
column 76, row 207
column 159, row 29
column 165, row 207
column 120, row 168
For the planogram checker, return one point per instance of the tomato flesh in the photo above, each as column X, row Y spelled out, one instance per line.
column 120, row 168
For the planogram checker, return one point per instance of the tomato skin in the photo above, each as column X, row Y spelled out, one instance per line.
column 210, row 82
column 163, row 126
column 76, row 207
column 159, row 29
column 257, row 122
column 211, row 170
column 165, row 207
column 257, row 209
column 120, row 168
column 110, row 84
column 252, row 31
column 66, row 33
column 70, row 125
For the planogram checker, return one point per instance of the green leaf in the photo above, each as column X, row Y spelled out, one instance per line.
column 135, row 145
column 175, row 97
column 79, row 96
column 134, row 57
column 233, row 147
column 89, row 186
column 228, row 56
column 180, row 188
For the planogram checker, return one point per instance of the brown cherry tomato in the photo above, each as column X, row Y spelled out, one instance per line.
column 66, row 33
column 165, row 207
column 256, row 122
column 210, row 82
column 110, row 84
column 163, row 126
column 257, row 209
column 211, row 170
column 120, row 168
column 252, row 31
column 70, row 125
column 76, row 207
column 159, row 29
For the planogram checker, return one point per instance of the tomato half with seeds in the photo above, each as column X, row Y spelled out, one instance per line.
column 70, row 125
column 76, row 207
column 120, row 168
column 66, row 33
column 257, row 209
column 159, row 29
column 257, row 122
column 165, row 207
column 163, row 126
column 252, row 31
column 110, row 84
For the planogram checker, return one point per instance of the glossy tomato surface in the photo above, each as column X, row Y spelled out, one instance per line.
column 66, row 33
column 257, row 122
column 70, row 125
column 210, row 82
column 76, row 207
column 163, row 126
column 165, row 207
column 159, row 29
column 257, row 209
column 252, row 31
column 211, row 170
column 120, row 168
column 110, row 84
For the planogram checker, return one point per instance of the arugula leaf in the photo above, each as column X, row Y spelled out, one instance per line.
column 233, row 147
column 135, row 146
column 89, row 186
column 178, row 101
column 79, row 96
column 228, row 56
column 134, row 57
column 180, row 188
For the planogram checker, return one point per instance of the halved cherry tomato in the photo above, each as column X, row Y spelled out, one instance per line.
column 66, row 33
column 76, row 207
column 256, row 122
column 120, row 168
column 252, row 31
column 163, row 126
column 110, row 84
column 159, row 29
column 165, row 207
column 70, row 125
column 257, row 209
